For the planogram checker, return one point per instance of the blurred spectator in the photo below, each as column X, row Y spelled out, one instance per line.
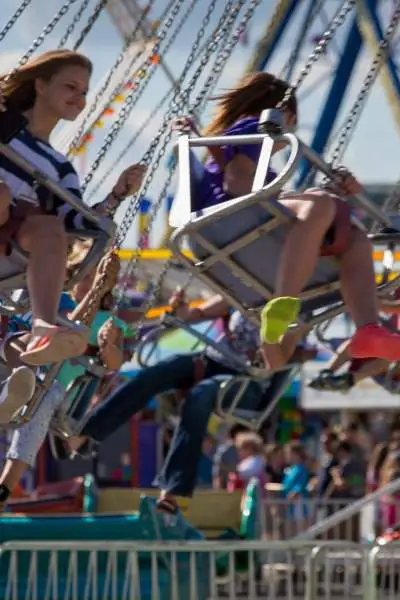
column 358, row 439
column 275, row 460
column 390, row 504
column 295, row 489
column 226, row 458
column 375, row 465
column 322, row 485
column 348, row 477
column 251, row 463
column 124, row 473
column 205, row 471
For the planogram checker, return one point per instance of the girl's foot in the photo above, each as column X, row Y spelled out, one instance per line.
column 375, row 341
column 276, row 318
column 53, row 344
column 16, row 392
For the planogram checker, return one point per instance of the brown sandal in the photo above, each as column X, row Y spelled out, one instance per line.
column 59, row 344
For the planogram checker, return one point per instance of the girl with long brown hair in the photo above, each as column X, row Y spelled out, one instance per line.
column 47, row 90
column 323, row 225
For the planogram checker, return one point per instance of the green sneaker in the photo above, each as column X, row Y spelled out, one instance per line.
column 276, row 317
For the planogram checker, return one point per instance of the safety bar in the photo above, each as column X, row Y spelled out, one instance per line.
column 254, row 419
column 178, row 324
column 297, row 148
column 154, row 336
column 103, row 223
column 272, row 122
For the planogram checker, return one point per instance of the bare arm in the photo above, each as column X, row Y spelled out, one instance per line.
column 110, row 338
column 238, row 175
column 214, row 308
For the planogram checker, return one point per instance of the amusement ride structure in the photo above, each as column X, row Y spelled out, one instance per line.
column 173, row 57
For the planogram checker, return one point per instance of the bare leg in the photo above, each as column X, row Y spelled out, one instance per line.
column 303, row 243
column 11, row 476
column 45, row 239
column 28, row 439
column 5, row 202
column 357, row 280
column 277, row 356
column 315, row 212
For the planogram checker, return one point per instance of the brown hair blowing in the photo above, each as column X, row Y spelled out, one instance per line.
column 254, row 93
column 19, row 89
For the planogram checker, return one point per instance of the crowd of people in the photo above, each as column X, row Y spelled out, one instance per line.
column 301, row 488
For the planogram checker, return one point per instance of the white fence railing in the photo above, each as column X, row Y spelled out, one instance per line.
column 198, row 571
column 286, row 519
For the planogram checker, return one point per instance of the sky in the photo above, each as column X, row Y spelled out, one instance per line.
column 372, row 153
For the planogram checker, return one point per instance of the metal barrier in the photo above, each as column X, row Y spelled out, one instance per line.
column 197, row 571
column 287, row 519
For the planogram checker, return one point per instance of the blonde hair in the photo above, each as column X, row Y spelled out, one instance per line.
column 254, row 93
column 250, row 441
column 19, row 90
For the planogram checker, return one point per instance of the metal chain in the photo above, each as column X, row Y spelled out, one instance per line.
column 163, row 100
column 179, row 100
column 73, row 24
column 337, row 21
column 91, row 21
column 224, row 55
column 100, row 94
column 14, row 19
column 391, row 203
column 158, row 107
column 373, row 71
column 291, row 62
column 129, row 145
column 216, row 70
column 40, row 39
column 124, row 111
column 175, row 106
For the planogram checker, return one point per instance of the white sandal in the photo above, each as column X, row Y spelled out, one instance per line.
column 17, row 391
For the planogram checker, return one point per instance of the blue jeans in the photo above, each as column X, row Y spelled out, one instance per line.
column 179, row 473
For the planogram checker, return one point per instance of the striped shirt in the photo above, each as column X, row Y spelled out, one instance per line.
column 53, row 164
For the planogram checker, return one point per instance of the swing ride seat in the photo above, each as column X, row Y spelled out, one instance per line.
column 13, row 267
column 237, row 244
column 266, row 389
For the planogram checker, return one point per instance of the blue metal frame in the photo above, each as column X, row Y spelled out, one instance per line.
column 351, row 49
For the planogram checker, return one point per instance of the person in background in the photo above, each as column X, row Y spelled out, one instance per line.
column 124, row 472
column 322, row 484
column 251, row 464
column 353, row 434
column 295, row 484
column 348, row 476
column 275, row 463
column 226, row 457
column 205, row 470
column 390, row 503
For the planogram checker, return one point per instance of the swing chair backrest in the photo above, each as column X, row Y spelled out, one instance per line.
column 13, row 267
column 237, row 243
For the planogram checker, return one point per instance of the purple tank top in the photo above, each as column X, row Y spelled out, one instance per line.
column 208, row 191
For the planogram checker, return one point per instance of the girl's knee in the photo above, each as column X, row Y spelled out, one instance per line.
column 319, row 207
column 43, row 228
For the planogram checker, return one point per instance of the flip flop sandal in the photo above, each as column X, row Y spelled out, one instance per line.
column 17, row 392
column 276, row 318
column 61, row 343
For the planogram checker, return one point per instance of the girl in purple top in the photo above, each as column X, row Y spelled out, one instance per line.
column 323, row 225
